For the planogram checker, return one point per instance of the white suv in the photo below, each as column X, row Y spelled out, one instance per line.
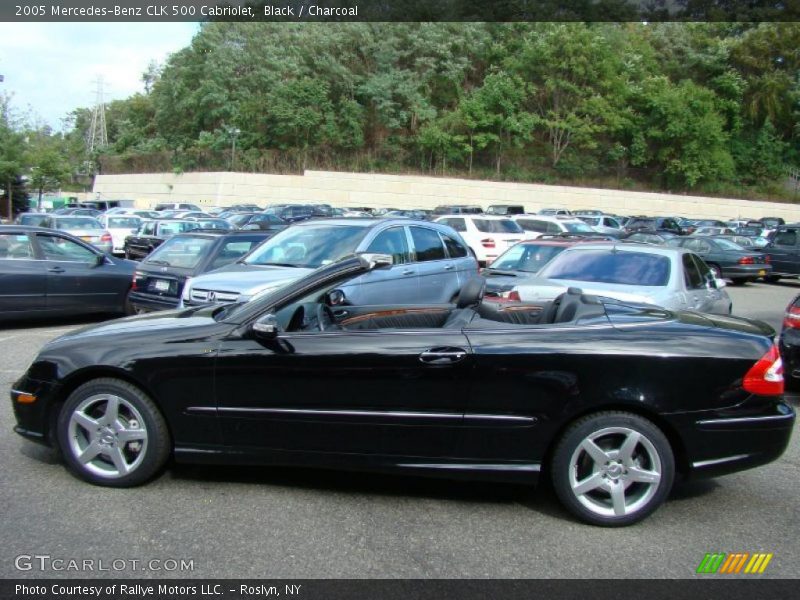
column 536, row 225
column 487, row 236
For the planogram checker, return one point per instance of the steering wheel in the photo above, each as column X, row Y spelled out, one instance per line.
column 325, row 317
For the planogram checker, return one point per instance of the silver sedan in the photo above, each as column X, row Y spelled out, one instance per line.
column 673, row 278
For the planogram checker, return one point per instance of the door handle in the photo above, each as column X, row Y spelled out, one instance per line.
column 443, row 356
column 408, row 272
column 56, row 270
column 340, row 313
column 449, row 267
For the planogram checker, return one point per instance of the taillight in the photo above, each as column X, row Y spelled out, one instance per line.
column 746, row 260
column 135, row 283
column 767, row 259
column 765, row 378
column 106, row 237
column 487, row 243
column 512, row 296
column 791, row 320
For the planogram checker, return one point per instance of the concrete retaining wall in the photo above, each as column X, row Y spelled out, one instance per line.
column 404, row 191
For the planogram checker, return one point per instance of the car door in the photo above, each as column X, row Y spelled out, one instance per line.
column 697, row 296
column 466, row 266
column 399, row 284
column 387, row 392
column 75, row 280
column 717, row 299
column 783, row 251
column 437, row 273
column 23, row 278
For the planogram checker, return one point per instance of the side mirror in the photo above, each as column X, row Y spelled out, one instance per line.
column 99, row 260
column 266, row 327
column 335, row 298
column 719, row 283
column 377, row 261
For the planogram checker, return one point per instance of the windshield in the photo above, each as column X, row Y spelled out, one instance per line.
column 184, row 252
column 124, row 222
column 527, row 257
column 310, row 246
column 610, row 266
column 176, row 227
column 214, row 224
column 497, row 226
column 577, row 227
column 728, row 244
column 78, row 223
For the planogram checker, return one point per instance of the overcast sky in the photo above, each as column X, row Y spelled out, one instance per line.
column 51, row 68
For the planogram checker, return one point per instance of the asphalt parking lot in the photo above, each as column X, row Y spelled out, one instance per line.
column 281, row 523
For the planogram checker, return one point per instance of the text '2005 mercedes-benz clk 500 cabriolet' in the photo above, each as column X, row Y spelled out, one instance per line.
column 609, row 399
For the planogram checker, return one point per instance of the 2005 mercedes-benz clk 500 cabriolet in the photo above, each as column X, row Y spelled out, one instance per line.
column 611, row 400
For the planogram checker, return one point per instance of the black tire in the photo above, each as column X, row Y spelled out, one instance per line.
column 127, row 307
column 128, row 254
column 87, row 408
column 772, row 279
column 739, row 281
column 650, row 455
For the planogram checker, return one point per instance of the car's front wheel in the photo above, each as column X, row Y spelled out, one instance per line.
column 612, row 468
column 111, row 433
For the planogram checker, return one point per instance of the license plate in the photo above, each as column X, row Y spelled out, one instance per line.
column 161, row 285
column 762, row 272
column 87, row 238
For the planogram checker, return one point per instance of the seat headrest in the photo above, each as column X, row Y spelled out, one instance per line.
column 472, row 292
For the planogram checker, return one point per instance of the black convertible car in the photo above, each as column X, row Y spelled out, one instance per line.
column 610, row 400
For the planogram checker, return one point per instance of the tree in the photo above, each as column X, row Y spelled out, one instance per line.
column 12, row 152
column 47, row 162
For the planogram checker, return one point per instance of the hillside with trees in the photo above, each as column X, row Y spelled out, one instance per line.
column 710, row 108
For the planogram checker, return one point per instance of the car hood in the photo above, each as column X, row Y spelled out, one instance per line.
column 247, row 279
column 147, row 323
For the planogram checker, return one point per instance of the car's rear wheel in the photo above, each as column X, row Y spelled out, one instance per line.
column 772, row 279
column 612, row 468
column 112, row 434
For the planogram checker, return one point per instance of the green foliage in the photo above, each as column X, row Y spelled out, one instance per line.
column 668, row 105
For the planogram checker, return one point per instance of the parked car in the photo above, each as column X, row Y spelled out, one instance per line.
column 673, row 278
column 34, row 219
column 726, row 259
column 45, row 272
column 212, row 223
column 294, row 213
column 176, row 206
column 160, row 277
column 505, row 209
column 458, row 209
column 260, row 220
column 487, row 236
column 120, row 226
column 698, row 223
column 602, row 223
column 88, row 229
column 552, row 212
column 152, row 234
column 78, row 212
column 704, row 230
column 645, row 237
column 654, row 225
column 523, row 260
column 536, row 225
column 584, row 212
column 597, row 394
column 784, row 252
column 772, row 222
column 420, row 215
column 431, row 262
column 790, row 344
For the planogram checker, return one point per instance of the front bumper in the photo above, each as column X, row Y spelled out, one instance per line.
column 34, row 420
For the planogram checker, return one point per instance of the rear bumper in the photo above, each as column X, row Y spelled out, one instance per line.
column 722, row 442
column 747, row 271
column 150, row 303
